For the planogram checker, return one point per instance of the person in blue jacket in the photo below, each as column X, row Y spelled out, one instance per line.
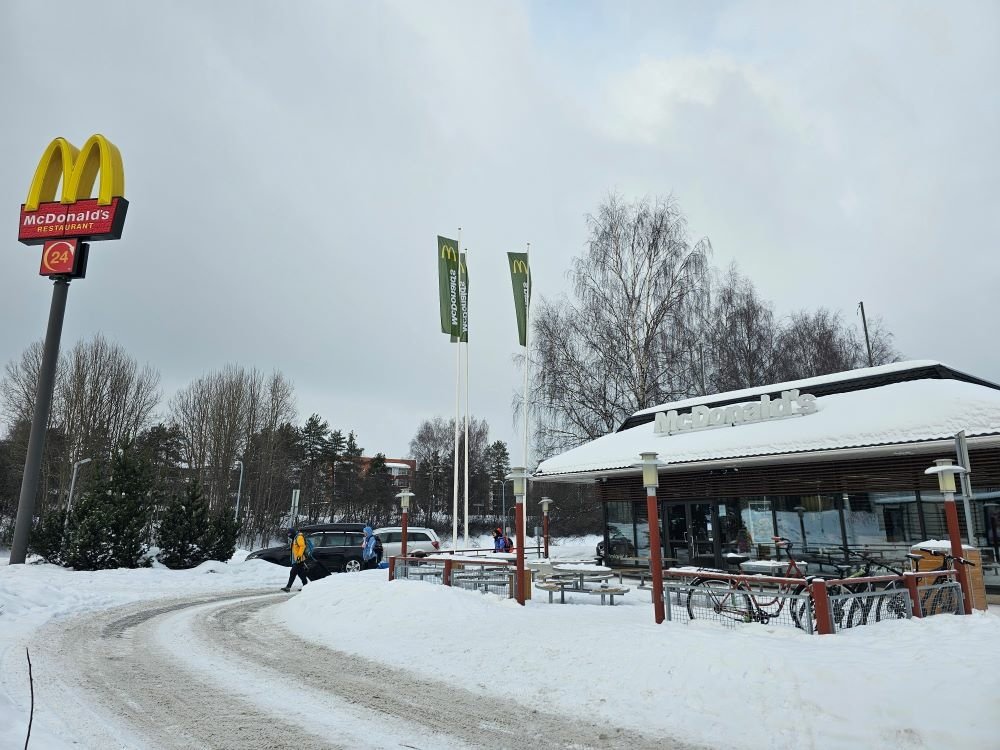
column 498, row 540
column 368, row 554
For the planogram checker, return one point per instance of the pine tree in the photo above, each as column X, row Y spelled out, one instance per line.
column 108, row 527
column 220, row 541
column 182, row 527
column 47, row 539
column 189, row 534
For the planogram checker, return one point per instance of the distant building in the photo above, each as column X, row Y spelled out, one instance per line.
column 402, row 470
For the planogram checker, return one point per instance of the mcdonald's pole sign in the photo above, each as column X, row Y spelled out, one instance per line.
column 61, row 226
column 76, row 215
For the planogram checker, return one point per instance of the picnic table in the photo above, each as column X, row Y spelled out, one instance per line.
column 575, row 577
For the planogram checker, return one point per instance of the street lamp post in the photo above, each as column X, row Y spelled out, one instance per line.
column 72, row 482
column 239, row 488
column 545, row 503
column 946, row 472
column 519, row 476
column 72, row 486
column 802, row 524
column 651, row 480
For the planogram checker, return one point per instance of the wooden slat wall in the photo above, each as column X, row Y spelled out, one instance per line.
column 884, row 474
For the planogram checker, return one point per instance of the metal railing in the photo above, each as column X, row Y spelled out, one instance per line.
column 486, row 576
column 730, row 604
column 814, row 604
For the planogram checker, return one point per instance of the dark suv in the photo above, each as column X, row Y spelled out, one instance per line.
column 336, row 547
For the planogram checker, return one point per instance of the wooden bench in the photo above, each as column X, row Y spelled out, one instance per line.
column 609, row 591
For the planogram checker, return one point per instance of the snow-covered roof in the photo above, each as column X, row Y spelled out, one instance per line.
column 396, row 465
column 803, row 384
column 906, row 412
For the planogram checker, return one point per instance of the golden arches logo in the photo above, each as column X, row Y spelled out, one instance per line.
column 518, row 266
column 449, row 253
column 78, row 170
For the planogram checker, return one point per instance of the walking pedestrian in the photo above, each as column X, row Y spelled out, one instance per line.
column 368, row 552
column 299, row 548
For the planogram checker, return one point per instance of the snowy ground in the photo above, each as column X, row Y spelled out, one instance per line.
column 753, row 687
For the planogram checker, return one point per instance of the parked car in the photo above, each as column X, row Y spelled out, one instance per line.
column 314, row 527
column 334, row 550
column 418, row 539
column 621, row 546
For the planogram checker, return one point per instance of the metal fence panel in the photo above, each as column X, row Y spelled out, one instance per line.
column 867, row 606
column 941, row 599
column 719, row 602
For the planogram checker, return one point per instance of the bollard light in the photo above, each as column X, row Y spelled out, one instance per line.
column 545, row 503
column 651, row 480
column 650, row 473
column 404, row 503
column 946, row 471
column 519, row 477
column 404, row 499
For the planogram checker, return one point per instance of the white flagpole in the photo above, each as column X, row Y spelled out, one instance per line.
column 465, row 316
column 458, row 383
column 527, row 360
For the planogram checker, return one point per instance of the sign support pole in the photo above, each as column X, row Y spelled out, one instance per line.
column 39, row 422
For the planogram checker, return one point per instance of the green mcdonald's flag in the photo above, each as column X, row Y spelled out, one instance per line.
column 463, row 294
column 451, row 303
column 520, row 279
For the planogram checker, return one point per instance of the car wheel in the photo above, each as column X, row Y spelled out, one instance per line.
column 352, row 566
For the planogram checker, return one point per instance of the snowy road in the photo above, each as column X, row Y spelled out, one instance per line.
column 220, row 672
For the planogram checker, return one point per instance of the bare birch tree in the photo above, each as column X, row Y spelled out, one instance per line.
column 232, row 414
column 742, row 338
column 626, row 339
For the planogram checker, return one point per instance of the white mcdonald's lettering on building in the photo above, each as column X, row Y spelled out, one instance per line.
column 791, row 404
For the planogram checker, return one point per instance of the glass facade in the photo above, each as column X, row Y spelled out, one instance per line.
column 714, row 533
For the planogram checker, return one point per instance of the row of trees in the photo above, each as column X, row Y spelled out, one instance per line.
column 229, row 432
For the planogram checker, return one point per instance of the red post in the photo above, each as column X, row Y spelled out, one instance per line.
column 520, row 550
column 446, row 576
column 910, row 579
column 402, row 548
column 955, row 536
column 392, row 568
column 655, row 553
column 821, row 601
column 545, row 532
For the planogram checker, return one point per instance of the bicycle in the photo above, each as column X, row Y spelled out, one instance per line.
column 869, row 601
column 938, row 598
column 737, row 600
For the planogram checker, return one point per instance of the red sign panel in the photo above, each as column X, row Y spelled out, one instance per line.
column 84, row 219
column 59, row 258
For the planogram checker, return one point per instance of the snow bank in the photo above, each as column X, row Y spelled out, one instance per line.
column 754, row 687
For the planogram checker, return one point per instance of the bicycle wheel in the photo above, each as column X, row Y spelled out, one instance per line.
column 715, row 598
column 943, row 601
column 858, row 612
column 804, row 610
column 893, row 604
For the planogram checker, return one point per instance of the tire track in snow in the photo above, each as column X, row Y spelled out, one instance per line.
column 219, row 672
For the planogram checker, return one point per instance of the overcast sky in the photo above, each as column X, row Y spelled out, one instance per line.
column 288, row 166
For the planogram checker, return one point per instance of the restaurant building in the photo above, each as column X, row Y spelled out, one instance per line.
column 828, row 462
